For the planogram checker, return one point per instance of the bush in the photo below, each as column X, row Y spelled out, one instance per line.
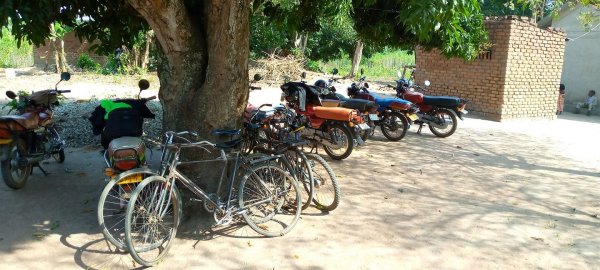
column 12, row 56
column 313, row 65
column 85, row 62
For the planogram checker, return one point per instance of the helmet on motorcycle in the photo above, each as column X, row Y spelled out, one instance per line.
column 321, row 83
column 403, row 84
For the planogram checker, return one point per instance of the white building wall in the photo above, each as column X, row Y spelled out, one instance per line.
column 581, row 68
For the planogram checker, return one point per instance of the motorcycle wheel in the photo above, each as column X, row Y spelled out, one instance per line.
column 447, row 118
column 14, row 176
column 343, row 133
column 394, row 126
column 60, row 156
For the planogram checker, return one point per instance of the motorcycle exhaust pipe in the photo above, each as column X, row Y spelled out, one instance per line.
column 316, row 135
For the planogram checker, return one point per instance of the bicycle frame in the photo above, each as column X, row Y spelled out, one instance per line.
column 174, row 174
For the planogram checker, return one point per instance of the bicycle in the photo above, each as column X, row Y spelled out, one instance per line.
column 268, row 197
column 262, row 133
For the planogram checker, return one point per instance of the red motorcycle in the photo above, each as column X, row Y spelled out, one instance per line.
column 28, row 138
column 438, row 112
column 331, row 127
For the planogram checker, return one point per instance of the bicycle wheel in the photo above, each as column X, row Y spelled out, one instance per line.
column 151, row 220
column 111, row 211
column 327, row 191
column 303, row 173
column 271, row 200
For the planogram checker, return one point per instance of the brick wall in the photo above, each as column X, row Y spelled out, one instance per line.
column 517, row 78
column 43, row 56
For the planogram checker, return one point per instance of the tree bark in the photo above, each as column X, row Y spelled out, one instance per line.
column 64, row 65
column 356, row 58
column 204, row 72
column 56, row 57
column 202, row 65
column 146, row 55
column 136, row 56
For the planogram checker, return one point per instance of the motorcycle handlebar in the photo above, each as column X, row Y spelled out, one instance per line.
column 149, row 98
column 255, row 88
column 63, row 91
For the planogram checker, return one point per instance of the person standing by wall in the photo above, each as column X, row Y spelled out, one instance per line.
column 561, row 99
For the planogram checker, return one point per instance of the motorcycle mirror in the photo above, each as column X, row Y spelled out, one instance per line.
column 362, row 71
column 65, row 76
column 335, row 71
column 303, row 75
column 257, row 77
column 143, row 84
column 427, row 83
column 11, row 94
column 366, row 85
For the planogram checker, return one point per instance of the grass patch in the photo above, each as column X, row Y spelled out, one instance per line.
column 382, row 65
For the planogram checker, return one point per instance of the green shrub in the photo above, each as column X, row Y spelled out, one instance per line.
column 85, row 62
column 12, row 56
column 313, row 65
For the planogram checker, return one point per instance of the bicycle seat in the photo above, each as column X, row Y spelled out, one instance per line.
column 228, row 145
column 230, row 132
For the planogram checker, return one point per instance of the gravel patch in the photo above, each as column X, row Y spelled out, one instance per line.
column 72, row 117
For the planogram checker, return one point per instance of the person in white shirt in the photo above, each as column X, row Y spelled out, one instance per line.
column 589, row 103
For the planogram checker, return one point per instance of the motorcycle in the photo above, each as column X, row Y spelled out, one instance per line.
column 438, row 112
column 331, row 127
column 395, row 114
column 121, row 124
column 31, row 136
column 366, row 109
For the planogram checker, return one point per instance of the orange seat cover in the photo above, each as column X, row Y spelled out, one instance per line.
column 333, row 113
column 27, row 120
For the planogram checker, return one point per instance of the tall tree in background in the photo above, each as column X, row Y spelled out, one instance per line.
column 57, row 39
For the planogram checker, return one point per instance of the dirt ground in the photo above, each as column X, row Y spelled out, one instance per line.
column 516, row 195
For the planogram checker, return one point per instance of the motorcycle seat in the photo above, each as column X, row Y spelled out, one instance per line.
column 442, row 101
column 385, row 102
column 360, row 104
column 333, row 113
column 26, row 120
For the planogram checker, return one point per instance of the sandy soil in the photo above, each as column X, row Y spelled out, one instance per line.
column 517, row 195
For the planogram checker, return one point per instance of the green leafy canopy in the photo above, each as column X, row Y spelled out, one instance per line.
column 454, row 26
column 113, row 23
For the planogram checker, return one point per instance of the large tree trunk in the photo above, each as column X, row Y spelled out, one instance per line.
column 204, row 78
column 202, row 65
column 356, row 58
